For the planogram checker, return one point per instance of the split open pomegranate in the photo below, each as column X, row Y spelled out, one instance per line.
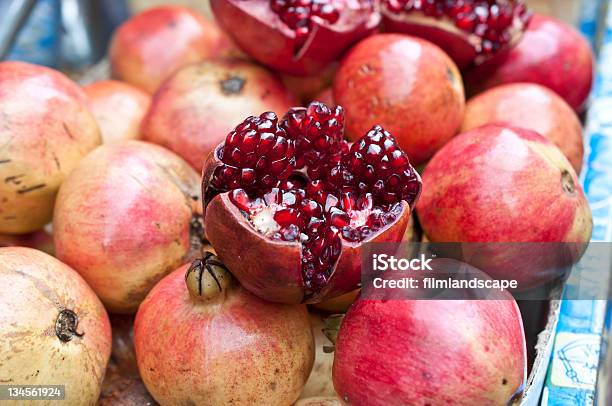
column 289, row 202
column 296, row 36
column 470, row 31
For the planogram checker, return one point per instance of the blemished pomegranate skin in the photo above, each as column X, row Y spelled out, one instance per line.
column 405, row 84
column 551, row 53
column 200, row 338
column 46, row 130
column 406, row 352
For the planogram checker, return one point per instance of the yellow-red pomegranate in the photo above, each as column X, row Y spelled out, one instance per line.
column 405, row 84
column 153, row 44
column 289, row 203
column 501, row 184
column 470, row 31
column 126, row 217
column 408, row 352
column 193, row 111
column 202, row 339
column 46, row 129
column 530, row 106
column 550, row 53
column 54, row 329
column 118, row 107
column 299, row 37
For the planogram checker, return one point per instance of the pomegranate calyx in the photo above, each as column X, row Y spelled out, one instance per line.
column 207, row 278
column 66, row 325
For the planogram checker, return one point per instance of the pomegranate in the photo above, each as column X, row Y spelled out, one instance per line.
column 290, row 203
column 408, row 352
column 127, row 216
column 501, row 184
column 469, row 31
column 46, row 129
column 530, row 106
column 299, row 37
column 55, row 331
column 319, row 382
column 193, row 111
column 118, row 107
column 202, row 339
column 551, row 53
column 152, row 45
column 371, row 85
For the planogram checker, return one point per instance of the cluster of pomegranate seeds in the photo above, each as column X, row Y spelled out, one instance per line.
column 376, row 164
column 318, row 133
column 321, row 191
column 490, row 20
column 256, row 154
column 297, row 14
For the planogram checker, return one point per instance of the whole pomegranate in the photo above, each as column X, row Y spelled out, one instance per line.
column 371, row 85
column 533, row 107
column 54, row 329
column 501, row 184
column 469, row 31
column 299, row 37
column 551, row 53
column 152, row 45
column 200, row 338
column 193, row 111
column 118, row 107
column 290, row 203
column 408, row 352
column 126, row 217
column 46, row 129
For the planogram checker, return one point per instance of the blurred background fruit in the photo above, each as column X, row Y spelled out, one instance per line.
column 118, row 107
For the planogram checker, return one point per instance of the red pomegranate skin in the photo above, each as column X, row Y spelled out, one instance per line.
column 405, row 84
column 504, row 184
column 123, row 220
column 530, row 106
column 46, row 129
column 195, row 109
column 118, row 107
column 152, row 45
column 236, row 350
column 409, row 352
column 35, row 290
column 550, row 53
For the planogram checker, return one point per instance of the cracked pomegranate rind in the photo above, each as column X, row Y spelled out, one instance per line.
column 290, row 226
column 296, row 36
column 470, row 31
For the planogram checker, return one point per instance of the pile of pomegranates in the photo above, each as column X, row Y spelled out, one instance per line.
column 220, row 191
